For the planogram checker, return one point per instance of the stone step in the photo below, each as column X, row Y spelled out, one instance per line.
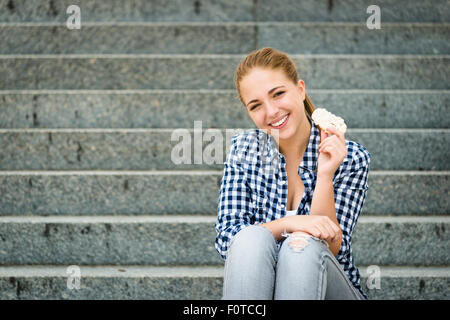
column 153, row 149
column 144, row 71
column 192, row 283
column 224, row 10
column 189, row 240
column 353, row 10
column 180, row 108
column 178, row 192
column 225, row 38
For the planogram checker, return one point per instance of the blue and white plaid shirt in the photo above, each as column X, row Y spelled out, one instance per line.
column 254, row 189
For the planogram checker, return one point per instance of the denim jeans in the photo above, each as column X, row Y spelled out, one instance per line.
column 257, row 267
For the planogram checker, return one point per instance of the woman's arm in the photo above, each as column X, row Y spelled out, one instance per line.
column 346, row 199
column 234, row 210
column 323, row 204
column 277, row 227
column 332, row 151
column 311, row 224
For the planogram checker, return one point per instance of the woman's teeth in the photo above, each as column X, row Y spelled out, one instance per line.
column 279, row 123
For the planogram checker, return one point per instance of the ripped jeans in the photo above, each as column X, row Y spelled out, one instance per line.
column 257, row 268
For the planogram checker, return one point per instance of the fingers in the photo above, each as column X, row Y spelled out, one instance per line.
column 324, row 234
column 335, row 136
column 315, row 232
column 331, row 139
column 321, row 227
column 336, row 230
column 333, row 228
column 334, row 131
column 330, row 145
column 323, row 135
column 331, row 232
column 328, row 229
column 300, row 233
column 334, row 151
column 326, row 148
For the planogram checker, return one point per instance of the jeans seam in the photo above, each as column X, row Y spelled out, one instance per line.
column 225, row 276
column 320, row 286
column 347, row 281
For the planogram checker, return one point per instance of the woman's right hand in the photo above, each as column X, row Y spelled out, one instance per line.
column 321, row 227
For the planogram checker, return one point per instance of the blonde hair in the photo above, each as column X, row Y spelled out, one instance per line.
column 271, row 59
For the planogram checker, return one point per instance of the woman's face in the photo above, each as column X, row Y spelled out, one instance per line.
column 273, row 101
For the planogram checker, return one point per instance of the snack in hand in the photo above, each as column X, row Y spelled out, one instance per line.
column 325, row 119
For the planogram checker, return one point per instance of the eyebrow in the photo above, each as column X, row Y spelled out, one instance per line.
column 270, row 91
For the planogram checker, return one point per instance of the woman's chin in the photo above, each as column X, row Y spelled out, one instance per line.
column 284, row 134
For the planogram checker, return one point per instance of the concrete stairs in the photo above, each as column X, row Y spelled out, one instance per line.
column 86, row 118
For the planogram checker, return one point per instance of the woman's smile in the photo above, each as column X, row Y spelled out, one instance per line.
column 281, row 123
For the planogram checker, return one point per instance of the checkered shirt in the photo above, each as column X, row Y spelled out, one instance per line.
column 254, row 189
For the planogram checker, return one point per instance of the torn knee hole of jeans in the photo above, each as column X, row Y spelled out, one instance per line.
column 298, row 242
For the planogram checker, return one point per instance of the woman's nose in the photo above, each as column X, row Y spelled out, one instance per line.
column 271, row 110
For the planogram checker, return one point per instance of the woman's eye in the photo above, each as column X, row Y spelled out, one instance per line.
column 278, row 93
column 256, row 105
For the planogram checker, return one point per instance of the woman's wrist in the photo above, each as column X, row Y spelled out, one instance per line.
column 291, row 223
column 325, row 176
column 286, row 222
column 279, row 227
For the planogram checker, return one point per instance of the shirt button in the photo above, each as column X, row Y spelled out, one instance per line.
column 282, row 206
column 283, row 182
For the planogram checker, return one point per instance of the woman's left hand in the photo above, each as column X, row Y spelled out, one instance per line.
column 332, row 151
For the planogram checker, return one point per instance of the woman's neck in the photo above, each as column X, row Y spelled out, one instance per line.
column 295, row 147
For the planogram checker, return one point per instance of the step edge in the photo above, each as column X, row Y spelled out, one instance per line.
column 191, row 219
column 109, row 271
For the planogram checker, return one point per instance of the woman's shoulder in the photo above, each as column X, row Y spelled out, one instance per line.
column 353, row 171
column 247, row 137
column 246, row 145
column 357, row 154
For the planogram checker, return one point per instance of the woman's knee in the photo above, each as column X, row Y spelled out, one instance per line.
column 252, row 240
column 304, row 245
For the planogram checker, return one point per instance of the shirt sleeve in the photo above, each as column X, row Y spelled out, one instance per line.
column 234, row 210
column 349, row 195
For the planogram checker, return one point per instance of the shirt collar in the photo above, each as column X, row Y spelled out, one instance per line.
column 309, row 160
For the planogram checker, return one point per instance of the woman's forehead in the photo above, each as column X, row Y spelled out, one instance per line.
column 261, row 81
column 268, row 75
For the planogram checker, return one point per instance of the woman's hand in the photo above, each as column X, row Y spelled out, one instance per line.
column 318, row 226
column 332, row 151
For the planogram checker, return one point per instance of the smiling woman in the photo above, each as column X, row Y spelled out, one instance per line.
column 321, row 180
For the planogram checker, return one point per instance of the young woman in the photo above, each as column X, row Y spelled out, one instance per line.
column 287, row 208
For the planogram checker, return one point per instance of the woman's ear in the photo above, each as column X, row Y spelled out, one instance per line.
column 301, row 88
